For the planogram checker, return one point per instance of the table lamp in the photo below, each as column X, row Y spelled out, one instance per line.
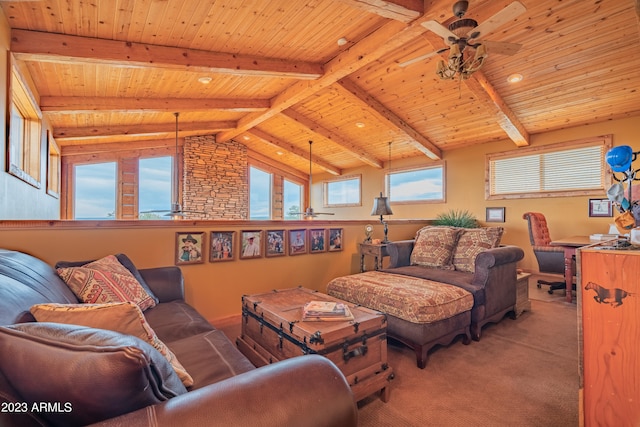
column 382, row 207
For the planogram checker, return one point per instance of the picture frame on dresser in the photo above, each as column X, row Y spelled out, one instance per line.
column 251, row 244
column 190, row 247
column 297, row 242
column 276, row 243
column 223, row 244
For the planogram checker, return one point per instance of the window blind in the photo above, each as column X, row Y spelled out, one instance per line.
column 557, row 169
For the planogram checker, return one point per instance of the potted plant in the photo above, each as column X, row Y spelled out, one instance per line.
column 457, row 218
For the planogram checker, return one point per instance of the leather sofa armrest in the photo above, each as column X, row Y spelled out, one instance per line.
column 494, row 258
column 400, row 253
column 306, row 390
column 167, row 283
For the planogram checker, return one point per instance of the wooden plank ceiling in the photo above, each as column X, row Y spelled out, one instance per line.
column 110, row 74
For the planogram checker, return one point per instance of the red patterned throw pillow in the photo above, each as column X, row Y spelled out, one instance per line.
column 472, row 241
column 434, row 247
column 104, row 281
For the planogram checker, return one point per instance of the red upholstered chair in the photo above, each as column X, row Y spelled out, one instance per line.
column 550, row 258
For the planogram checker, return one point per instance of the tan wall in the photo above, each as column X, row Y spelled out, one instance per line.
column 215, row 289
column 465, row 178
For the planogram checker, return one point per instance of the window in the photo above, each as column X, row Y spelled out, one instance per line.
column 53, row 167
column 417, row 185
column 259, row 194
column 343, row 192
column 24, row 132
column 95, row 191
column 567, row 169
column 292, row 198
column 154, row 187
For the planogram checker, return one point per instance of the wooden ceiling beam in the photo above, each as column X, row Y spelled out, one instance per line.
column 399, row 10
column 49, row 47
column 350, row 148
column 97, row 132
column 164, row 145
column 484, row 91
column 272, row 140
column 386, row 39
column 419, row 141
column 79, row 104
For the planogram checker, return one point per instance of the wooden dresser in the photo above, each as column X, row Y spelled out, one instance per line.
column 609, row 319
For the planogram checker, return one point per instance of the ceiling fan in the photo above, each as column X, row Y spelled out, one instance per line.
column 176, row 211
column 309, row 212
column 465, row 32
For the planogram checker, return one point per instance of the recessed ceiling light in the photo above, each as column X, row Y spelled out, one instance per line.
column 205, row 80
column 360, row 125
column 515, row 78
column 342, row 41
column 279, row 153
column 246, row 138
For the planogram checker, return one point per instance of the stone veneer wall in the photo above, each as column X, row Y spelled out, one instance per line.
column 215, row 178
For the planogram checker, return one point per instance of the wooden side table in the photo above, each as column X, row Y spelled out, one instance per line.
column 378, row 252
column 522, row 293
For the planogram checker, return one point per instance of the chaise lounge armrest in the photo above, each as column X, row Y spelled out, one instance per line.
column 306, row 390
column 167, row 283
column 493, row 258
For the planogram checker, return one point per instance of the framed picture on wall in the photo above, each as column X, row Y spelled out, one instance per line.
column 189, row 248
column 275, row 243
column 251, row 244
column 297, row 242
column 600, row 207
column 495, row 215
column 222, row 246
column 335, row 239
column 317, row 240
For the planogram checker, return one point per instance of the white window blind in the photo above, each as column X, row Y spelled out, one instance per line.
column 562, row 169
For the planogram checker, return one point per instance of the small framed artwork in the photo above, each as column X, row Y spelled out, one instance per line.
column 335, row 239
column 222, row 246
column 189, row 248
column 495, row 215
column 317, row 239
column 275, row 243
column 600, row 207
column 251, row 244
column 297, row 242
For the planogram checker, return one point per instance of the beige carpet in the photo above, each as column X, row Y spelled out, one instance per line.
column 522, row 372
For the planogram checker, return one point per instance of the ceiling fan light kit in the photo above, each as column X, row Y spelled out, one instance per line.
column 462, row 37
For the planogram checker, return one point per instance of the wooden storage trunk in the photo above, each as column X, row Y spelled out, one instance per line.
column 273, row 330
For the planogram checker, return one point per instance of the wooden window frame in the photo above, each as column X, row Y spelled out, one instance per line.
column 325, row 192
column 24, row 147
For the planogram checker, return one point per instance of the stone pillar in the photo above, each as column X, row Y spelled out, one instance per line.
column 215, row 178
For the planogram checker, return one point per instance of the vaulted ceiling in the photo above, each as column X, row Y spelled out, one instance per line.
column 110, row 74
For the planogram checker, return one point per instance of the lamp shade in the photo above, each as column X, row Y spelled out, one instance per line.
column 381, row 206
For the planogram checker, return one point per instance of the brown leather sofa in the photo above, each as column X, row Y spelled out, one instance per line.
column 52, row 374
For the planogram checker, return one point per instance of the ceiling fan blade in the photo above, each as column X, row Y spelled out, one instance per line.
column 422, row 57
column 439, row 29
column 501, row 48
column 507, row 14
